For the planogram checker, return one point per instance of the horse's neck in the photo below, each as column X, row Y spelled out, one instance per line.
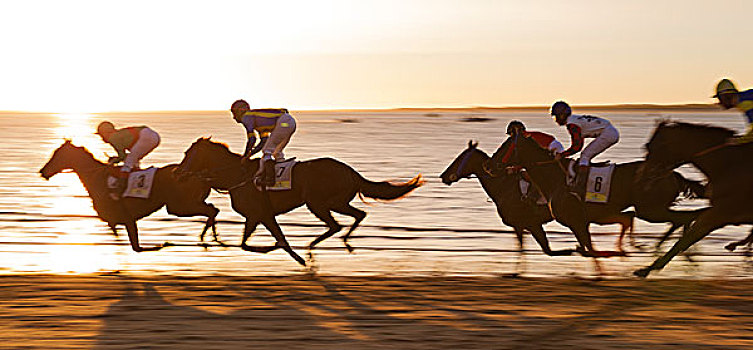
column 232, row 173
column 491, row 185
column 548, row 177
column 90, row 172
column 716, row 163
column 500, row 188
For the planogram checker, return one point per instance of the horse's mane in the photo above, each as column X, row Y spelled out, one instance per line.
column 694, row 131
column 220, row 145
column 83, row 149
column 536, row 146
column 696, row 127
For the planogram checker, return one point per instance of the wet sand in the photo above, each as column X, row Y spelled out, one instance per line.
column 307, row 312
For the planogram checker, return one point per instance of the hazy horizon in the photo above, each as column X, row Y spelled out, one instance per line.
column 634, row 106
column 90, row 56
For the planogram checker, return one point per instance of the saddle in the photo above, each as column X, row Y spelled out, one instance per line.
column 283, row 175
column 136, row 184
column 598, row 184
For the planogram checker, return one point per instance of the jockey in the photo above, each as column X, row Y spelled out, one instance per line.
column 138, row 140
column 274, row 126
column 729, row 97
column 544, row 140
column 580, row 127
column 517, row 127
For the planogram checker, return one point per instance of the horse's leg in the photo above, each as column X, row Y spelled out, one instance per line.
column 521, row 252
column 748, row 240
column 271, row 224
column 540, row 236
column 357, row 214
column 248, row 231
column 324, row 215
column 625, row 220
column 673, row 228
column 183, row 209
column 114, row 229
column 653, row 213
column 133, row 237
column 710, row 220
column 569, row 211
column 629, row 229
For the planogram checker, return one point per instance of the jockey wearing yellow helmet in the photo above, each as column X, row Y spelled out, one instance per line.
column 729, row 97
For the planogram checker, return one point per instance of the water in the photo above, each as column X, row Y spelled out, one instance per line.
column 49, row 226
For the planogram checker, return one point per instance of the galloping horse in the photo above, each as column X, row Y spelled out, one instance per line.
column 726, row 166
column 651, row 203
column 324, row 185
column 181, row 198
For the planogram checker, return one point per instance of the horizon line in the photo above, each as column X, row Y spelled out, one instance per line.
column 388, row 109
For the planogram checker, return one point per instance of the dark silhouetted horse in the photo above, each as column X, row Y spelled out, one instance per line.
column 729, row 171
column 181, row 198
column 324, row 185
column 522, row 215
column 651, row 203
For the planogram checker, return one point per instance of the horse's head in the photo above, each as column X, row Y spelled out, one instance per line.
column 62, row 159
column 676, row 143
column 203, row 156
column 467, row 163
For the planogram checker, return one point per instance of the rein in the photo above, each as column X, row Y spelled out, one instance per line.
column 709, row 150
column 698, row 154
column 207, row 178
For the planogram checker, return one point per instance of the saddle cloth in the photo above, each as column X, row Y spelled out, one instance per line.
column 139, row 183
column 283, row 175
column 599, row 181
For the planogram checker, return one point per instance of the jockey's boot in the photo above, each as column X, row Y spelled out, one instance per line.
column 121, row 182
column 581, row 177
column 269, row 173
column 265, row 176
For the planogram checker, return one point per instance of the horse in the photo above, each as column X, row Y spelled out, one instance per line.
column 512, row 208
column 181, row 198
column 726, row 166
column 324, row 185
column 651, row 203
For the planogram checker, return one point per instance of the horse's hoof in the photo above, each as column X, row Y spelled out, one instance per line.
column 349, row 248
column 642, row 273
column 731, row 247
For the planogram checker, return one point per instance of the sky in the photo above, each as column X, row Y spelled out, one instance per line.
column 98, row 56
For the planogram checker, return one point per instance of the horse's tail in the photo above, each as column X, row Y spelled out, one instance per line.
column 386, row 190
column 690, row 188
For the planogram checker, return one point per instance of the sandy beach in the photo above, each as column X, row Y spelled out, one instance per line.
column 309, row 312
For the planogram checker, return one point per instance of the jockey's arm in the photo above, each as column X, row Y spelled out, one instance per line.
column 119, row 142
column 576, row 143
column 249, row 144
column 258, row 147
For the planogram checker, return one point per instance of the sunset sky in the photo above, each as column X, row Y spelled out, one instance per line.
column 94, row 56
